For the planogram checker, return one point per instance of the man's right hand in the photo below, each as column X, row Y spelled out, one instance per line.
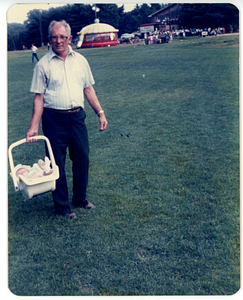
column 35, row 122
column 30, row 134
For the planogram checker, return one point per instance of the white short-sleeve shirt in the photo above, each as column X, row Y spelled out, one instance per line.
column 62, row 81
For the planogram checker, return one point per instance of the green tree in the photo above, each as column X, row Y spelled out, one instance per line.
column 131, row 21
column 109, row 13
column 33, row 27
column 209, row 15
column 16, row 36
column 78, row 16
column 155, row 7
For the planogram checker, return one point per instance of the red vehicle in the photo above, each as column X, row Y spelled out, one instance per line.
column 100, row 40
column 98, row 35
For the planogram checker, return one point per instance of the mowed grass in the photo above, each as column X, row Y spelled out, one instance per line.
column 164, row 177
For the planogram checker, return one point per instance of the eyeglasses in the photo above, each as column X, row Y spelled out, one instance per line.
column 61, row 37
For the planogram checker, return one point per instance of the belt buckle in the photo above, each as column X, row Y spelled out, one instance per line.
column 74, row 110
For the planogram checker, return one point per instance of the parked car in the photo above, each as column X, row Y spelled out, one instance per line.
column 187, row 32
column 204, row 33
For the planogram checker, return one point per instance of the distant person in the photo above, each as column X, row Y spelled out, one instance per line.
column 34, row 50
column 146, row 38
column 61, row 79
column 151, row 39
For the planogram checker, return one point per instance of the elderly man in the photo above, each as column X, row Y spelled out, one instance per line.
column 60, row 81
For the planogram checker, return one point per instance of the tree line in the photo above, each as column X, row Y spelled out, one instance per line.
column 210, row 15
column 35, row 28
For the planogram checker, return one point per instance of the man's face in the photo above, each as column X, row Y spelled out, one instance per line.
column 60, row 39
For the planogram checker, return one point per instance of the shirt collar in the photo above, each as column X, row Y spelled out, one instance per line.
column 52, row 54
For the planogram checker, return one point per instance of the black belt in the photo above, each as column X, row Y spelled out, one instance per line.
column 65, row 111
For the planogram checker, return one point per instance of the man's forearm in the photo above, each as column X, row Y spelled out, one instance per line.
column 95, row 104
column 92, row 99
column 37, row 111
column 36, row 117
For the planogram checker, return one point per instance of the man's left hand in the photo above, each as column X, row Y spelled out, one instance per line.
column 103, row 122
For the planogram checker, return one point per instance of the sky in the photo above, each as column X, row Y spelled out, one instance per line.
column 17, row 13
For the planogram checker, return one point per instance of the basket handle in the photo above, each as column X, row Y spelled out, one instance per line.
column 38, row 137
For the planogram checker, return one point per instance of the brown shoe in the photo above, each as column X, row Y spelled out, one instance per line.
column 70, row 216
column 89, row 206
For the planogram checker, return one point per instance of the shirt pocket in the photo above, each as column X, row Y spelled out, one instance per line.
column 56, row 78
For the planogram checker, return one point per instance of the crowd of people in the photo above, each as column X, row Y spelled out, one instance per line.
column 158, row 37
column 166, row 36
column 155, row 37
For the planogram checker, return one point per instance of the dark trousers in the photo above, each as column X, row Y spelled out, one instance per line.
column 34, row 55
column 64, row 131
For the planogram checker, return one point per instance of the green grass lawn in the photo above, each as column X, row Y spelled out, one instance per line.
column 164, row 177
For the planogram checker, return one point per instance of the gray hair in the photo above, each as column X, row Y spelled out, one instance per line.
column 63, row 22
